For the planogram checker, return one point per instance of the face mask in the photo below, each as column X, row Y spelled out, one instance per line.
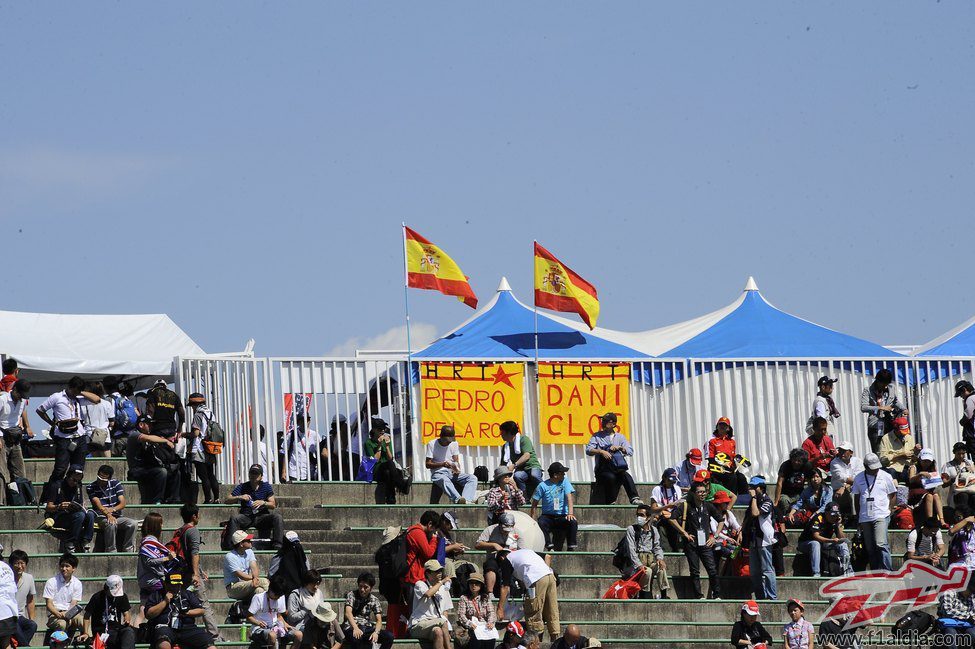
column 641, row 520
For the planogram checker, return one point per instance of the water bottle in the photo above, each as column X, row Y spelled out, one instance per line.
column 243, row 633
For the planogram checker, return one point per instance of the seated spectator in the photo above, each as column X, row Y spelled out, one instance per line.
column 961, row 547
column 842, row 470
column 518, row 455
column 748, row 631
column 956, row 615
column 514, row 634
column 664, row 497
column 726, row 543
column 421, row 547
column 824, row 533
column 557, row 498
column 386, row 472
column 813, row 500
column 898, row 450
column 171, row 617
column 73, row 524
column 712, row 488
column 722, row 440
column 431, row 599
column 15, row 426
column 149, row 458
column 476, row 617
column 8, row 606
column 363, row 626
column 925, row 543
column 62, row 592
column 492, row 540
column 443, row 461
column 693, row 520
column 155, row 559
column 98, row 418
column 799, row 633
column 959, row 464
column 611, row 449
column 313, row 616
column 204, row 463
column 70, row 440
column 107, row 612
column 572, row 639
column 449, row 551
column 290, row 561
column 107, row 497
column 325, row 624
column 504, row 495
column 532, row 640
column 793, row 475
column 686, row 470
column 923, row 481
column 241, row 575
column 643, row 549
column 26, row 593
column 542, row 603
column 257, row 508
column 819, row 445
column 266, row 615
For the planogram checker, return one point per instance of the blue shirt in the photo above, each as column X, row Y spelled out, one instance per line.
column 262, row 492
column 553, row 497
column 234, row 562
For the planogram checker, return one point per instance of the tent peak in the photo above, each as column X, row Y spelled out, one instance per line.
column 750, row 285
column 504, row 285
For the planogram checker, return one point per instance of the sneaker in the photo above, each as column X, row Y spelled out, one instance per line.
column 664, row 595
column 636, row 501
column 461, row 501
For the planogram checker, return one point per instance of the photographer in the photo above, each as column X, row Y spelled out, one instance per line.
column 108, row 612
column 881, row 404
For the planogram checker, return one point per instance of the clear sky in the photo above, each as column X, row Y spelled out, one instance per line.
column 245, row 167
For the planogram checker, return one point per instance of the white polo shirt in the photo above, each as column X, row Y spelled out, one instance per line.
column 63, row 407
column 840, row 471
column 873, row 492
column 62, row 593
column 10, row 410
column 528, row 567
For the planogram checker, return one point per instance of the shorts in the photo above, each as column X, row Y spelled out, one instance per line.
column 8, row 627
column 424, row 629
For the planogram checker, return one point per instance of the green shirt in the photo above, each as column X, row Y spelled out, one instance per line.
column 372, row 447
column 715, row 488
column 528, row 447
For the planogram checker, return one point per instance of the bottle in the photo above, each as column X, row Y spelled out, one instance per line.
column 243, row 633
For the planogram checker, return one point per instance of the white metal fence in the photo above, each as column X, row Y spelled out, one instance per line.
column 673, row 408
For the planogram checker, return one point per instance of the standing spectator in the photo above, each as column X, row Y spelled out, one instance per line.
column 824, row 406
column 792, row 478
column 428, row 620
column 363, row 628
column 191, row 542
column 171, row 617
column 107, row 497
column 64, row 503
column 611, row 449
column 443, row 460
column 14, row 423
column 26, row 593
column 155, row 559
column 257, row 507
column 126, row 417
column 70, row 441
column 303, row 443
column 814, row 499
column 723, row 440
column 421, row 546
column 686, row 470
column 62, row 592
column 572, row 639
column 557, row 498
column 758, row 533
column 107, row 612
column 925, row 543
column 692, row 518
column 643, row 549
column 518, row 454
column 880, row 402
column 842, row 470
column 387, row 473
column 824, row 531
column 664, row 497
column 799, row 633
column 504, row 495
column 241, row 574
column 966, row 392
column 164, row 410
column 876, row 492
column 542, row 602
column 144, row 468
column 748, row 631
column 819, row 445
column 266, row 615
column 204, row 463
column 11, row 373
column 476, row 614
column 898, row 450
column 98, row 419
column 958, row 606
column 8, row 606
column 494, row 539
column 954, row 467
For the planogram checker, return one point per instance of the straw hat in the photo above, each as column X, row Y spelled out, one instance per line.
column 324, row 612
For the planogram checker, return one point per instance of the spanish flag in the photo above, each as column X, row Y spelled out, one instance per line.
column 559, row 288
column 429, row 267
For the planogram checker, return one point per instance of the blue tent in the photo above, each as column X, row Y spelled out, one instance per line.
column 504, row 329
column 960, row 341
column 752, row 328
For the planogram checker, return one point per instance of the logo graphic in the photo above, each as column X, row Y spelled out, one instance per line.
column 865, row 597
column 430, row 262
column 553, row 281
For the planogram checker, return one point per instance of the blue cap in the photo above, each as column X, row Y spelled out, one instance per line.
column 757, row 480
column 59, row 636
column 670, row 473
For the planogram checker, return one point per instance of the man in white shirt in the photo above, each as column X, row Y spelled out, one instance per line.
column 842, row 470
column 62, row 592
column 431, row 598
column 15, row 424
column 98, row 419
column 877, row 492
column 8, row 605
column 302, row 442
column 62, row 411
column 267, row 615
column 541, row 599
column 443, row 460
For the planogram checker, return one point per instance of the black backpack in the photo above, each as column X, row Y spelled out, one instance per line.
column 831, row 562
column 621, row 553
column 912, row 625
column 392, row 566
column 458, row 585
column 24, row 494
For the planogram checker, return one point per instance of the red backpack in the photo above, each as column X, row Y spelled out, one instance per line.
column 176, row 545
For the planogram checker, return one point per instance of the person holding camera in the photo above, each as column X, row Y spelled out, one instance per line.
column 73, row 525
column 881, row 404
column 898, row 452
column 611, row 449
column 70, row 440
column 257, row 507
column 819, row 444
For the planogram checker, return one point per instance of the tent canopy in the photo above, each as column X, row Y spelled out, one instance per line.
column 960, row 341
column 50, row 348
column 505, row 329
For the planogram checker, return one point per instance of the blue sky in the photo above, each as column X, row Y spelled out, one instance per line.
column 245, row 167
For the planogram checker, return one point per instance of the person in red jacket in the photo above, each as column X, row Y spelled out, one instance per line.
column 421, row 546
column 819, row 445
column 722, row 440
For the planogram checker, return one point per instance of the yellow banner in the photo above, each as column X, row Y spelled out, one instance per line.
column 574, row 396
column 474, row 398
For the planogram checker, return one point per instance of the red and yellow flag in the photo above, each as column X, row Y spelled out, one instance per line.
column 429, row 267
column 559, row 288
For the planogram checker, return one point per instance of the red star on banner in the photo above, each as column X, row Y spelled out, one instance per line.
column 501, row 377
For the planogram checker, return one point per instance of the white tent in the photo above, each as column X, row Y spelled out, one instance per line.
column 51, row 348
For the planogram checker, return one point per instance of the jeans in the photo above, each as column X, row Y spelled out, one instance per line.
column 527, row 481
column 552, row 522
column 79, row 528
column 813, row 549
column 762, row 572
column 695, row 555
column 876, row 543
column 121, row 638
column 25, row 631
column 958, row 637
column 385, row 640
column 450, row 483
column 65, row 457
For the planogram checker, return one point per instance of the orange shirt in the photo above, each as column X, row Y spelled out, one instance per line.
column 721, row 445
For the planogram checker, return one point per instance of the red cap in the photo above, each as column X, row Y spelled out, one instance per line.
column 751, row 606
column 902, row 423
column 724, row 420
column 796, row 602
column 516, row 628
column 695, row 454
column 723, row 497
column 702, row 475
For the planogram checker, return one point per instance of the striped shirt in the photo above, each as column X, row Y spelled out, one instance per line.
column 262, row 492
column 109, row 495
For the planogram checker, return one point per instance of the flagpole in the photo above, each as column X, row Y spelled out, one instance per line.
column 409, row 342
column 535, row 305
